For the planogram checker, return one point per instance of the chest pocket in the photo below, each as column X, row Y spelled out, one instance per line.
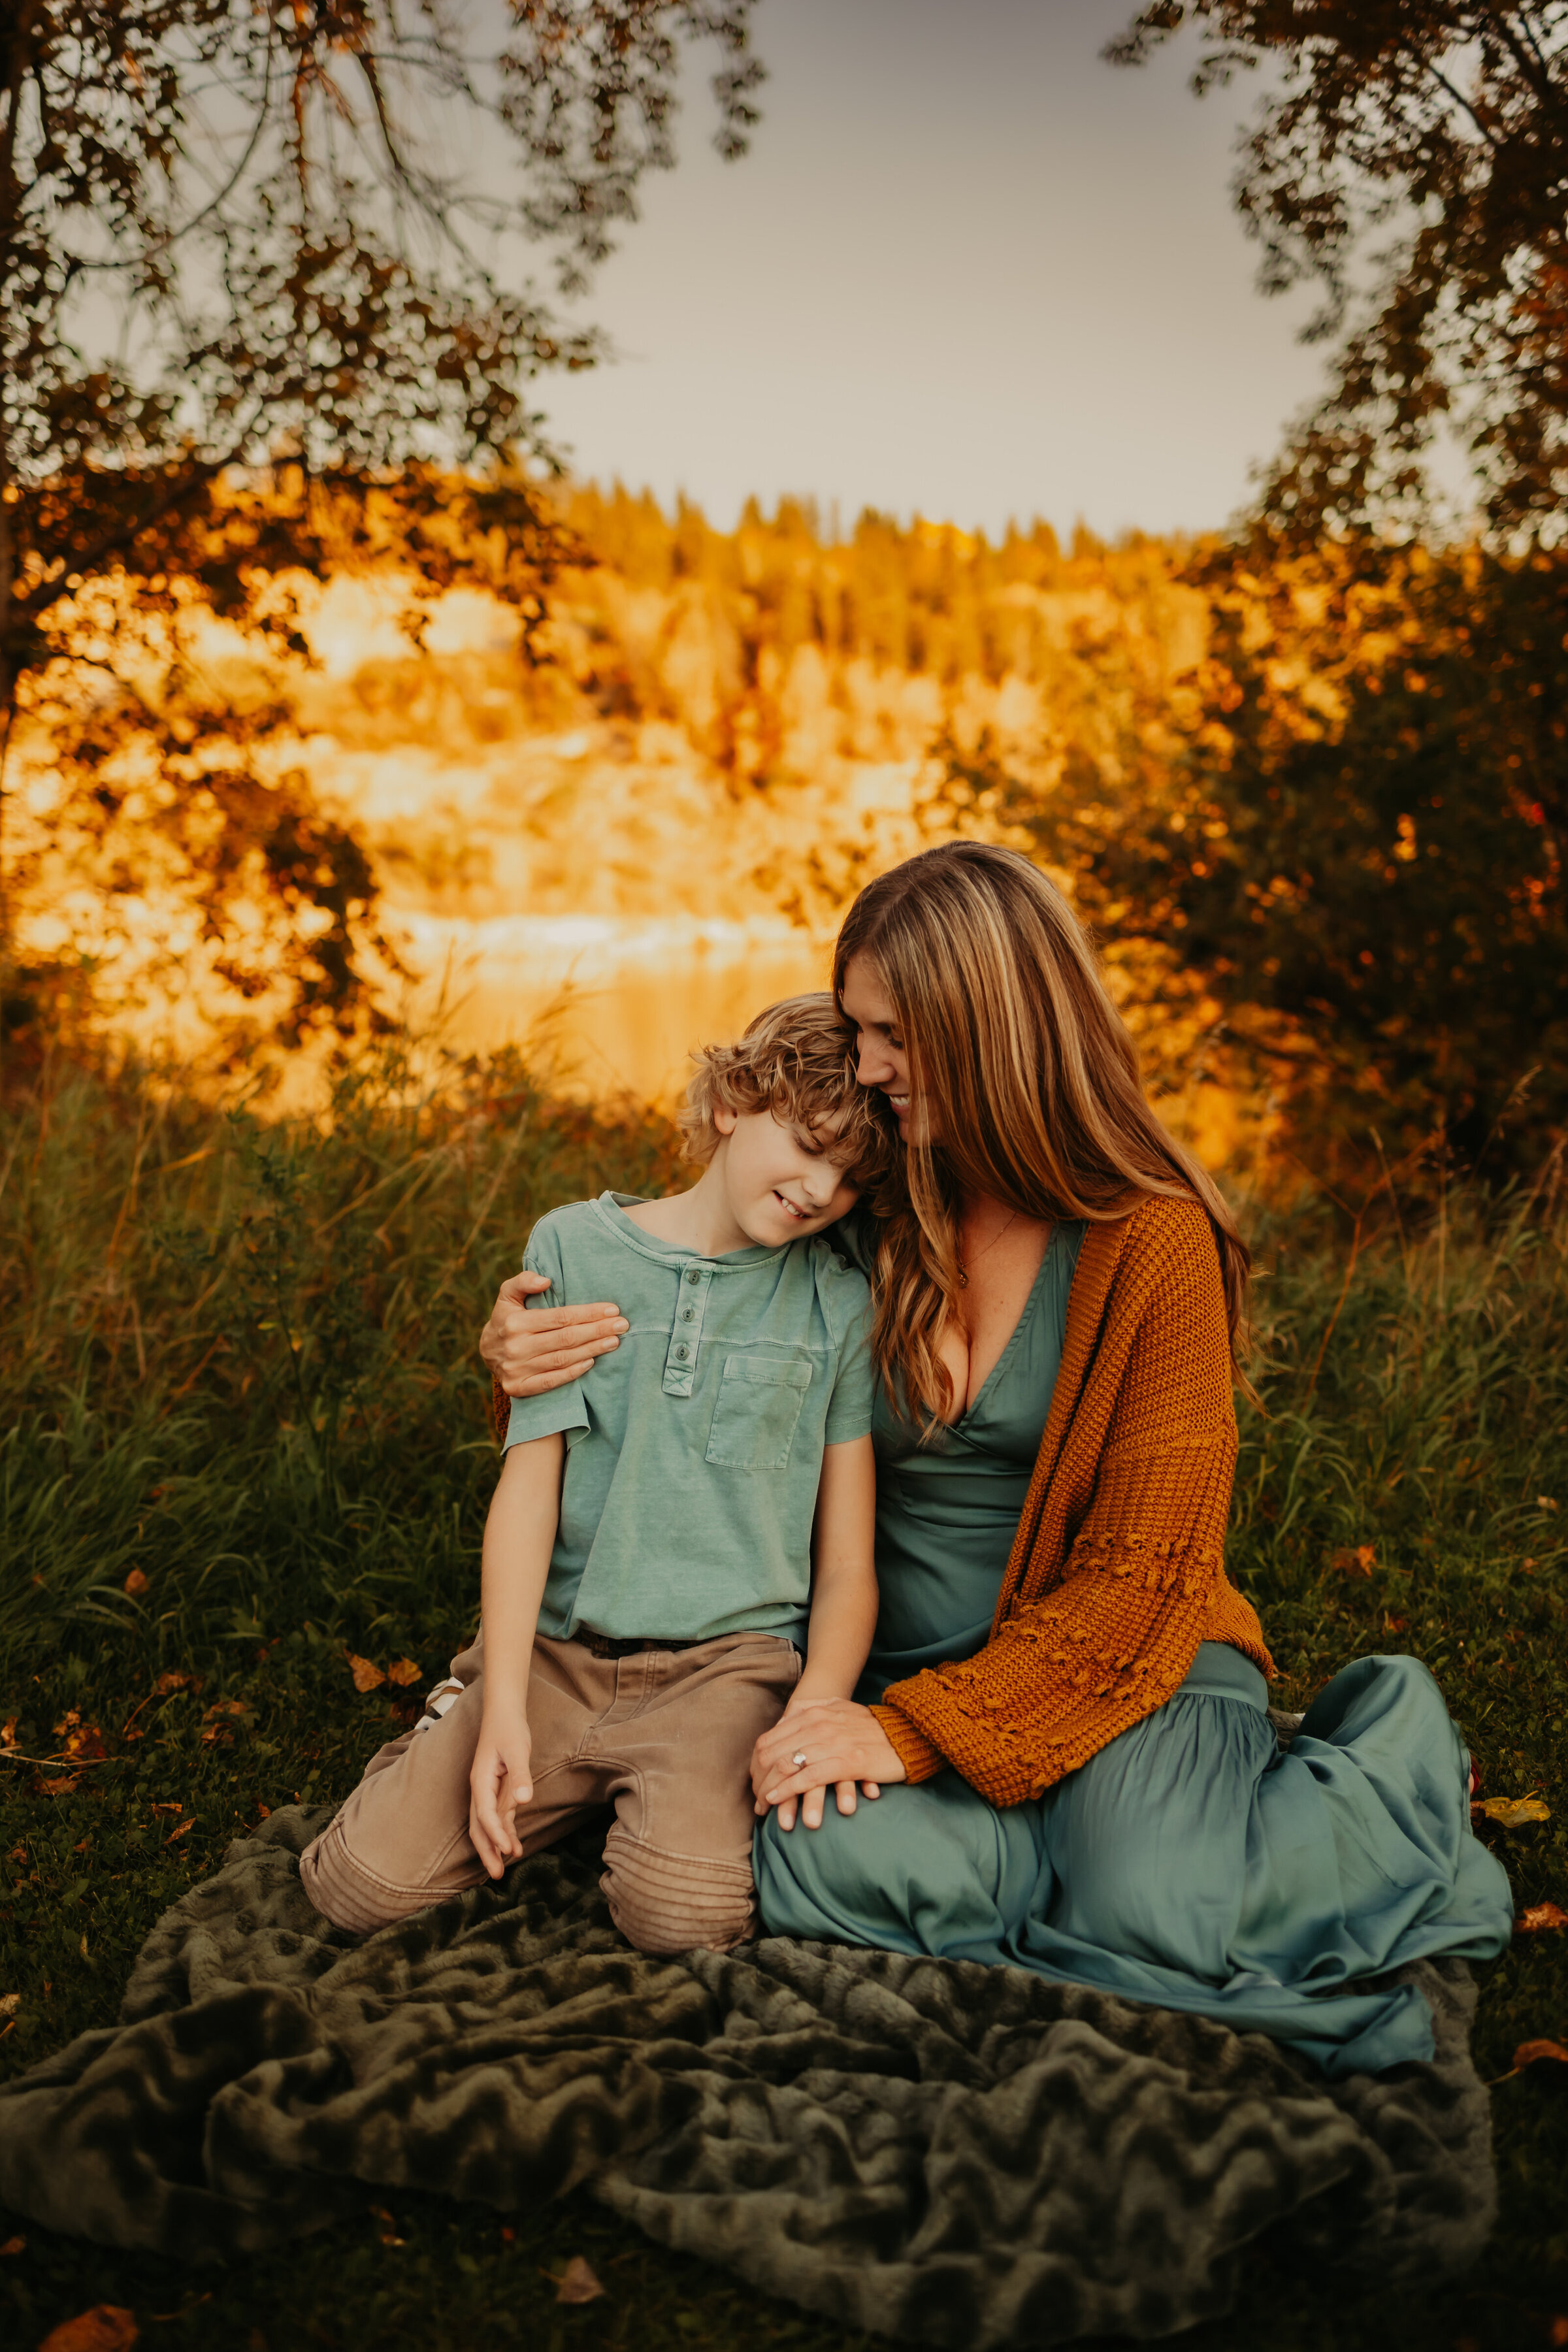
column 755, row 1420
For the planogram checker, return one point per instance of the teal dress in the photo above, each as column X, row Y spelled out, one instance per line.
column 1195, row 1862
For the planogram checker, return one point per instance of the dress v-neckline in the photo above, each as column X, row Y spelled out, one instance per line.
column 1025, row 1312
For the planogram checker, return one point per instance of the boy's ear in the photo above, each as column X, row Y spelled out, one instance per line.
column 724, row 1118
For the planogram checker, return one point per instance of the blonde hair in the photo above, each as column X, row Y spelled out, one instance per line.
column 1029, row 1081
column 796, row 1059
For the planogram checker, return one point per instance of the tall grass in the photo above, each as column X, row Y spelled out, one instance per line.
column 237, row 1361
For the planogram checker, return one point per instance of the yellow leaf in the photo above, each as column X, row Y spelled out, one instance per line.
column 1540, row 1916
column 105, row 2329
column 181, row 1831
column 136, row 1584
column 1512, row 1812
column 1529, row 2054
column 8, row 1732
column 403, row 1671
column 366, row 1674
column 1354, row 1559
column 578, row 2284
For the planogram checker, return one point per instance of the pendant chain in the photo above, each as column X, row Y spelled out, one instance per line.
column 964, row 1269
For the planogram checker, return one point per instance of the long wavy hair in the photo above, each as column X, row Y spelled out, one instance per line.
column 1030, row 1083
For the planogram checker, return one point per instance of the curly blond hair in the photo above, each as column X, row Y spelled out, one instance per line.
column 796, row 1059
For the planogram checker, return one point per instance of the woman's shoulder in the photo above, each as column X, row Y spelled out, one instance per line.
column 1164, row 1236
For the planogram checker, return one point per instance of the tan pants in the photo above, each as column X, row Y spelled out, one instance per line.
column 665, row 1737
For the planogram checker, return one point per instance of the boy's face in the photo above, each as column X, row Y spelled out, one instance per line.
column 778, row 1179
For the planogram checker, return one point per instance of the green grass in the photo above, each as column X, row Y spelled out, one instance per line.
column 239, row 1360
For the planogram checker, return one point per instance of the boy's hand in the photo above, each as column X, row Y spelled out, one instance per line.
column 498, row 1783
column 843, row 1744
column 530, row 1354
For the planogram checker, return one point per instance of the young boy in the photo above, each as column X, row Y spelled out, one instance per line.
column 648, row 1568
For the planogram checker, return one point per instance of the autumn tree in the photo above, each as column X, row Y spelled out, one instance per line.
column 264, row 306
column 1411, row 161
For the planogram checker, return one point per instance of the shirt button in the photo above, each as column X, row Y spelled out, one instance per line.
column 694, row 1276
column 683, row 1351
column 687, row 1314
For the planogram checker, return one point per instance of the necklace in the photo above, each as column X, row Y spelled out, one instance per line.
column 963, row 1270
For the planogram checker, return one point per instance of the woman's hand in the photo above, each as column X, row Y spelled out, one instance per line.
column 530, row 1353
column 500, row 1782
column 843, row 1745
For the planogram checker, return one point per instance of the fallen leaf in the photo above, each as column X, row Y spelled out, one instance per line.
column 225, row 1706
column 165, row 1805
column 1531, row 2053
column 105, row 2329
column 1353, row 1559
column 83, row 1741
column 10, row 2002
column 85, row 1953
column 264, row 1813
column 1512, row 1812
column 60, row 1788
column 13, row 2246
column 578, row 2284
column 136, row 1584
column 366, row 1675
column 181, row 1831
column 1557, row 2334
column 1546, row 1502
column 403, row 1671
column 1540, row 1916
column 1396, row 1624
column 172, row 1680
column 8, row 1732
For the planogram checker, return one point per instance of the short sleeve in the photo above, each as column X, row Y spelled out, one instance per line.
column 849, row 1406
column 557, row 1409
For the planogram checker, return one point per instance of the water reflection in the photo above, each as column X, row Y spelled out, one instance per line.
column 610, row 1005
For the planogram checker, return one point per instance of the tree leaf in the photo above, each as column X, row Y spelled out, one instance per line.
column 403, row 1671
column 366, row 1674
column 1531, row 2053
column 136, row 1584
column 105, row 2329
column 1512, row 1812
column 1354, row 1559
column 578, row 2283
column 1540, row 1916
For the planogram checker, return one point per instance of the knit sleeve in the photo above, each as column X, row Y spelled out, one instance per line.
column 1108, row 1632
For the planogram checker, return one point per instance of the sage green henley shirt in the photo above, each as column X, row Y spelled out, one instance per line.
column 694, row 1449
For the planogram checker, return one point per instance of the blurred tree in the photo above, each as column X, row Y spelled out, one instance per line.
column 1349, row 822
column 257, row 296
column 1438, row 128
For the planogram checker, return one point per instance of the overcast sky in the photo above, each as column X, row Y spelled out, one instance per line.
column 967, row 270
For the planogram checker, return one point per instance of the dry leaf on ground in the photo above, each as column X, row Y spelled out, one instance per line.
column 1354, row 1559
column 83, row 1741
column 366, row 1673
column 8, row 1732
column 1540, row 1916
column 1512, row 1812
column 60, row 1788
column 13, row 2246
column 181, row 1831
column 403, row 1671
column 105, row 2329
column 1531, row 2053
column 174, row 1680
column 136, row 1584
column 578, row 2283
column 10, row 2002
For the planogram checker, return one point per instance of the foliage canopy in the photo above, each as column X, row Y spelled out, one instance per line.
column 1441, row 127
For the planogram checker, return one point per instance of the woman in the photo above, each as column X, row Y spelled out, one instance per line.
column 1066, row 1702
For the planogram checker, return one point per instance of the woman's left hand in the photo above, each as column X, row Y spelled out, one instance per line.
column 843, row 1745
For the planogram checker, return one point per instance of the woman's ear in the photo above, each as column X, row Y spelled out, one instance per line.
column 724, row 1118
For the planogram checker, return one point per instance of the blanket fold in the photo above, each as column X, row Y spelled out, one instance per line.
column 957, row 2155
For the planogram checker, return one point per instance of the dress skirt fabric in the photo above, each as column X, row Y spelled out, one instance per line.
column 1193, row 1863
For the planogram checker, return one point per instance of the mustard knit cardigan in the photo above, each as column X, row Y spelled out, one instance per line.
column 1116, row 1573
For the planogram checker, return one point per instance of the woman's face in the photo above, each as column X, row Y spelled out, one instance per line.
column 882, row 1058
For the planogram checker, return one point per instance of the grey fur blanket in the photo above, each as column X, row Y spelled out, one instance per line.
column 951, row 2154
